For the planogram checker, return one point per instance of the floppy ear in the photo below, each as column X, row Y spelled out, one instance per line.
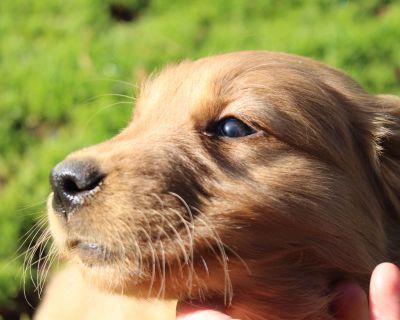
column 388, row 139
column 387, row 134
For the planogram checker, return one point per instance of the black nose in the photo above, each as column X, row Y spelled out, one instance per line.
column 72, row 181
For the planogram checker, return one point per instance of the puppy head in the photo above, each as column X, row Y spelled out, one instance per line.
column 249, row 178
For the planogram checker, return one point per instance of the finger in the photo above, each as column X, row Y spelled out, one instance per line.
column 385, row 292
column 204, row 315
column 192, row 312
column 351, row 302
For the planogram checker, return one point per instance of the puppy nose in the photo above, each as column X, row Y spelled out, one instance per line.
column 72, row 181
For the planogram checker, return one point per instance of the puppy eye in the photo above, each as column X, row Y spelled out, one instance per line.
column 233, row 128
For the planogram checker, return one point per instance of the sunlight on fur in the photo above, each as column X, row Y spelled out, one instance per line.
column 251, row 180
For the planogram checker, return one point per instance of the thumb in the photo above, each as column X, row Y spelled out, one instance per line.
column 385, row 292
column 203, row 315
column 351, row 302
column 192, row 312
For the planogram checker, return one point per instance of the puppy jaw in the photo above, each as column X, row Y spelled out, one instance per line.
column 191, row 216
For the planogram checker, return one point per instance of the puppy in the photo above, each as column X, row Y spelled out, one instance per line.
column 252, row 181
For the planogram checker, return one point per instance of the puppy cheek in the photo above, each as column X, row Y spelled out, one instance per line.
column 56, row 228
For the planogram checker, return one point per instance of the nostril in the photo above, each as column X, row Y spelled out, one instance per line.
column 70, row 187
column 72, row 181
column 74, row 184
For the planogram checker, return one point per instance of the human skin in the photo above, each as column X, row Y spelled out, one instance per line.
column 352, row 301
column 385, row 293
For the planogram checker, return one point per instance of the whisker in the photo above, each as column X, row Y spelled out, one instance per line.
column 177, row 257
column 189, row 211
column 179, row 238
column 39, row 266
column 51, row 257
column 205, row 266
column 245, row 265
column 43, row 240
column 104, row 108
column 190, row 231
column 127, row 83
column 228, row 292
column 153, row 262
column 31, row 206
column 162, row 282
column 119, row 95
column 29, row 256
column 36, row 228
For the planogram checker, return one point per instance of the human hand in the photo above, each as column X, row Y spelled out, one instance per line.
column 352, row 302
column 384, row 299
column 385, row 293
column 190, row 313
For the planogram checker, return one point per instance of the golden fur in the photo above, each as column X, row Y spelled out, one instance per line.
column 266, row 223
column 70, row 297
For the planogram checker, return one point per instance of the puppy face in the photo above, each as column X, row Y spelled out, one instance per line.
column 249, row 179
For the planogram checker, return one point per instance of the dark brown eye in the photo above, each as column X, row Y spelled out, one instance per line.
column 233, row 128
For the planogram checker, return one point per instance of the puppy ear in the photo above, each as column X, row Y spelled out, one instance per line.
column 387, row 135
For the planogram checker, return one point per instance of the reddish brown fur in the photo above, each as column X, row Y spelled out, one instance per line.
column 268, row 222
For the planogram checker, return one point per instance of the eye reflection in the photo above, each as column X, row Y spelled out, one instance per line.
column 233, row 128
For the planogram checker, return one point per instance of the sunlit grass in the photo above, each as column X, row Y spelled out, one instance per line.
column 66, row 67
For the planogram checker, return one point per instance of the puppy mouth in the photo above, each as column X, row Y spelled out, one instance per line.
column 92, row 253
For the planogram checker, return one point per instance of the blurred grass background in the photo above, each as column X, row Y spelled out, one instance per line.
column 66, row 65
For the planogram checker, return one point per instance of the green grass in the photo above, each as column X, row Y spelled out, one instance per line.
column 66, row 64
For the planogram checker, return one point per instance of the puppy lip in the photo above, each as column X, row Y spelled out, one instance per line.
column 91, row 252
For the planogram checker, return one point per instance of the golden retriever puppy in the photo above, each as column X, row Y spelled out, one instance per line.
column 252, row 181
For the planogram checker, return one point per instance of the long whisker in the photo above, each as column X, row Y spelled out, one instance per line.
column 35, row 229
column 161, row 291
column 28, row 263
column 177, row 256
column 31, row 206
column 153, row 262
column 40, row 266
column 104, row 108
column 190, row 231
column 93, row 98
column 32, row 249
column 51, row 257
column 228, row 292
column 127, row 83
column 185, row 224
column 178, row 236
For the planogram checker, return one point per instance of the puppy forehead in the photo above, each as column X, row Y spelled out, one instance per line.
column 194, row 92
column 182, row 92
